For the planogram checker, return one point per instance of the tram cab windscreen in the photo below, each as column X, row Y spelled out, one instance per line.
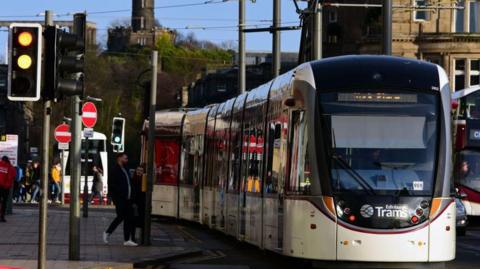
column 467, row 169
column 382, row 150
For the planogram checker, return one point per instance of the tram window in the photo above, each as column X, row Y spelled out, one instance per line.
column 300, row 172
column 166, row 158
column 255, row 152
column 273, row 157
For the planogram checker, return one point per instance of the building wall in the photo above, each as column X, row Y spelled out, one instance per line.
column 433, row 35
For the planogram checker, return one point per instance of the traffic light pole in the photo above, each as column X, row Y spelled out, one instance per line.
column 85, row 183
column 150, row 152
column 42, row 234
column 74, row 229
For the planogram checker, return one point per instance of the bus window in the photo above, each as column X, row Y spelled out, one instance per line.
column 94, row 149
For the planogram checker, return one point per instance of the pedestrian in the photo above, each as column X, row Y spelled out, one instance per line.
column 35, row 188
column 138, row 198
column 120, row 189
column 28, row 182
column 56, row 182
column 97, row 186
column 7, row 176
column 17, row 185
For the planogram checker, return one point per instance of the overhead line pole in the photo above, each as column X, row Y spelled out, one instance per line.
column 387, row 27
column 47, row 111
column 150, row 151
column 317, row 31
column 241, row 47
column 276, row 41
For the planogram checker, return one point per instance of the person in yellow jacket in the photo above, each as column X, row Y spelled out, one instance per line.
column 56, row 182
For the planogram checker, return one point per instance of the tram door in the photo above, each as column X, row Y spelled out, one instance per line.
column 276, row 154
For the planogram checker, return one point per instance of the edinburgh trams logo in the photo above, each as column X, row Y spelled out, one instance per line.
column 366, row 211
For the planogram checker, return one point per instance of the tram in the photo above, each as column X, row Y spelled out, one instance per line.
column 342, row 159
column 467, row 148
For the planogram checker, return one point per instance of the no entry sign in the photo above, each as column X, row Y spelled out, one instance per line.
column 89, row 114
column 62, row 133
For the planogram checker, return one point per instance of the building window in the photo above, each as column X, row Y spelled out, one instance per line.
column 459, row 74
column 474, row 72
column 474, row 13
column 333, row 16
column 142, row 22
column 143, row 3
column 221, row 87
column 420, row 14
column 467, row 18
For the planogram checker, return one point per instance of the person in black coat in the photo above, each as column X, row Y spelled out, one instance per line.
column 120, row 189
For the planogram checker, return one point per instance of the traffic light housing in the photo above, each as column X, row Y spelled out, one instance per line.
column 118, row 132
column 64, row 62
column 24, row 61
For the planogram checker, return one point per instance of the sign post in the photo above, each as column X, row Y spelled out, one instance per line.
column 63, row 136
column 89, row 119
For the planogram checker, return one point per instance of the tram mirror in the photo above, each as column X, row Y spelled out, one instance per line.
column 289, row 102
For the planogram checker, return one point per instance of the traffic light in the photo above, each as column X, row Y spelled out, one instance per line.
column 24, row 61
column 64, row 63
column 118, row 132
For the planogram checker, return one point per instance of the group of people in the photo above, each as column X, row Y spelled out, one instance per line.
column 26, row 187
column 125, row 191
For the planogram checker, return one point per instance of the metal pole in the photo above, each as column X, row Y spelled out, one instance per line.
column 75, row 167
column 85, row 182
column 79, row 20
column 63, row 177
column 241, row 47
column 276, row 57
column 387, row 27
column 317, row 33
column 150, row 151
column 42, row 233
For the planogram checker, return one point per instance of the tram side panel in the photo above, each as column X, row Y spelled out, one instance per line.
column 164, row 197
column 442, row 231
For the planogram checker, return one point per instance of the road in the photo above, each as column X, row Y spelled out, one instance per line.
column 220, row 251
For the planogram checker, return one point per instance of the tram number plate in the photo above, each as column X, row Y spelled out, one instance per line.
column 418, row 185
column 475, row 134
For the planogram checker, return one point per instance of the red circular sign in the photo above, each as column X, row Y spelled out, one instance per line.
column 89, row 114
column 62, row 133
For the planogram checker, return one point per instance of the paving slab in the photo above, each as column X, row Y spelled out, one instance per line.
column 19, row 239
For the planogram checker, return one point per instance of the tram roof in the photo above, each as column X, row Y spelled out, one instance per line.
column 462, row 93
column 374, row 71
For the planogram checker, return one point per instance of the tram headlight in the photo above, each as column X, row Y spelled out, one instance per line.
column 419, row 212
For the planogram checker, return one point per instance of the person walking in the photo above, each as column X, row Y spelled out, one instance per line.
column 7, row 175
column 97, row 186
column 56, row 182
column 120, row 189
column 17, row 185
column 28, row 182
column 36, row 181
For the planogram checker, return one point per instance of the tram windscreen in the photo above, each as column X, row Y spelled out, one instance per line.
column 467, row 170
column 379, row 143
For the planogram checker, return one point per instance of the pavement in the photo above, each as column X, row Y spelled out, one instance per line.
column 19, row 239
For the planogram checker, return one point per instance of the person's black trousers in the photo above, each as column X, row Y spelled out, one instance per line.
column 124, row 212
column 3, row 201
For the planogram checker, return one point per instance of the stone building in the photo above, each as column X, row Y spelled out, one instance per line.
column 142, row 32
column 444, row 32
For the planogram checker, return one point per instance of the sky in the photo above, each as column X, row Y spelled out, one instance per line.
column 212, row 16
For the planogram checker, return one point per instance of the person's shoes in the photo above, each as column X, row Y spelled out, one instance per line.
column 130, row 243
column 106, row 237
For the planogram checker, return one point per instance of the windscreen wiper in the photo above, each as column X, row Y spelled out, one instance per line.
column 361, row 181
